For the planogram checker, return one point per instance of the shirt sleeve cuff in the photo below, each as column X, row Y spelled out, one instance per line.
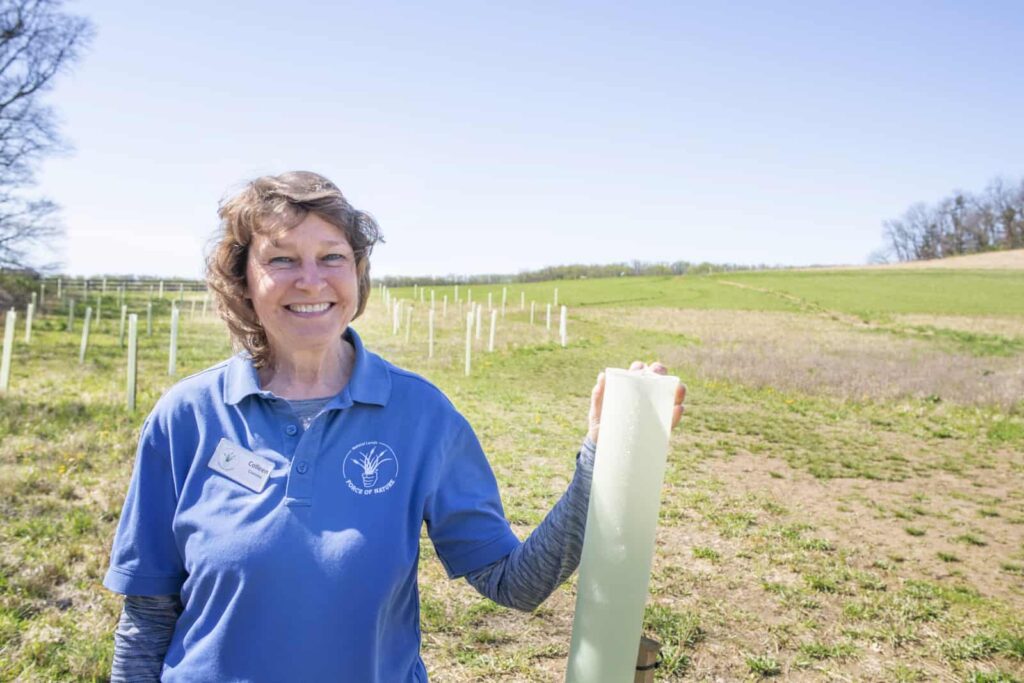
column 131, row 584
column 588, row 452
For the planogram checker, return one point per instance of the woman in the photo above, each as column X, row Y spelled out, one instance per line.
column 271, row 528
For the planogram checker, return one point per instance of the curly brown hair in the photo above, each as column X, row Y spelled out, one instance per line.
column 267, row 205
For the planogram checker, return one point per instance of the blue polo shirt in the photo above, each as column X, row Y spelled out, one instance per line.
column 311, row 576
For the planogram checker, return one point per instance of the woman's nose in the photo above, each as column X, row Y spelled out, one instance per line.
column 310, row 276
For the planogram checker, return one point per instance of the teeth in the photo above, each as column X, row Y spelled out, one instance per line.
column 309, row 308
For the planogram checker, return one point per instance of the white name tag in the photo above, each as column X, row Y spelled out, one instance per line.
column 241, row 465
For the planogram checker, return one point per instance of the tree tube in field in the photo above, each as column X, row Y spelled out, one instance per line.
column 618, row 545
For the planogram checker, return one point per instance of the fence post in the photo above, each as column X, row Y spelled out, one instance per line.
column 71, row 315
column 149, row 318
column 29, row 312
column 430, row 333
column 84, row 344
column 172, row 356
column 494, row 322
column 5, row 359
column 469, row 339
column 561, row 327
column 133, row 355
column 120, row 331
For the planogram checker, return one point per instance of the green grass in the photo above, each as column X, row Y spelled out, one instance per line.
column 874, row 293
column 764, row 666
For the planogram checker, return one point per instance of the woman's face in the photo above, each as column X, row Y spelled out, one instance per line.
column 303, row 285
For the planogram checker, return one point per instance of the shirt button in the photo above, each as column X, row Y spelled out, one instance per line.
column 291, row 430
column 302, row 467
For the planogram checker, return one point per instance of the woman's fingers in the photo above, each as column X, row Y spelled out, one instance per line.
column 596, row 403
column 656, row 367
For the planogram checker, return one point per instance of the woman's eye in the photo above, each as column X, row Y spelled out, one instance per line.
column 335, row 258
column 280, row 260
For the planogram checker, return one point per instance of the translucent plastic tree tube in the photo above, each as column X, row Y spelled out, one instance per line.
column 622, row 519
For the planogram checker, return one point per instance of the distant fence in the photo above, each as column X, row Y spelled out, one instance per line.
column 101, row 284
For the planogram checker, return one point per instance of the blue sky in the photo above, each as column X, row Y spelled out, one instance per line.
column 498, row 136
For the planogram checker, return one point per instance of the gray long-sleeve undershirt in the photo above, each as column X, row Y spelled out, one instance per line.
column 523, row 579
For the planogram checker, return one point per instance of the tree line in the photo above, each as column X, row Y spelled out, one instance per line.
column 962, row 223
column 571, row 272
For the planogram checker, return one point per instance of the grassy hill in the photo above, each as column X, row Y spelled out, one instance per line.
column 842, row 501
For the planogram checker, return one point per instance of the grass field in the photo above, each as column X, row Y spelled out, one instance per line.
column 843, row 500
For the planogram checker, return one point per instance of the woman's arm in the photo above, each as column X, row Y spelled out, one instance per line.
column 524, row 578
column 142, row 637
column 529, row 574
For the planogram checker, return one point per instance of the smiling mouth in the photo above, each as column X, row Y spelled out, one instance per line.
column 308, row 308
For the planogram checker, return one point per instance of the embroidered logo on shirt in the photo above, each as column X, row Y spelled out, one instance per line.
column 370, row 468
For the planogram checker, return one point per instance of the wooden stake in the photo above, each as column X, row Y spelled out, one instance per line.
column 646, row 660
column 71, row 315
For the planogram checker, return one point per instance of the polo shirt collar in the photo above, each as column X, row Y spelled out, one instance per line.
column 370, row 381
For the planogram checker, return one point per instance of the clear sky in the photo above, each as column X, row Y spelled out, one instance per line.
column 503, row 136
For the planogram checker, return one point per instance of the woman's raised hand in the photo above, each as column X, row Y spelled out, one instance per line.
column 597, row 397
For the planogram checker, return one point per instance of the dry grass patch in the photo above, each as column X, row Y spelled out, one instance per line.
column 816, row 355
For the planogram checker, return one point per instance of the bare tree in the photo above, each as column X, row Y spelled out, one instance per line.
column 37, row 41
column 960, row 224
